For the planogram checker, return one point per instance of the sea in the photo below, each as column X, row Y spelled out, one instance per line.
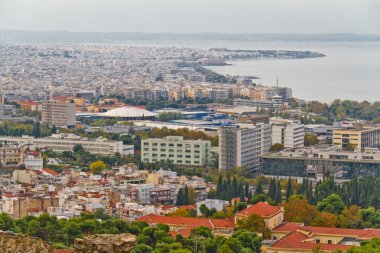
column 350, row 70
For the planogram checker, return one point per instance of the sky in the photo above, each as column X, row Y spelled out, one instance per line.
column 192, row 16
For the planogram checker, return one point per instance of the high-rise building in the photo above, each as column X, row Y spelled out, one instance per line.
column 60, row 114
column 291, row 135
column 239, row 147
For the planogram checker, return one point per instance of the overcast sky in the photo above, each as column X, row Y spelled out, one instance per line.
column 187, row 16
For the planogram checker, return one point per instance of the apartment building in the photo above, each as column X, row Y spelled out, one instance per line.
column 177, row 150
column 57, row 113
column 290, row 135
column 361, row 138
column 11, row 155
column 67, row 142
column 238, row 146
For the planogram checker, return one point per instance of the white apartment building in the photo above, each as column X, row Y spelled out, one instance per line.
column 238, row 146
column 57, row 113
column 177, row 150
column 291, row 135
column 66, row 142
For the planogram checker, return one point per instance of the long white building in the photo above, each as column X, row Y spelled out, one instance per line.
column 66, row 142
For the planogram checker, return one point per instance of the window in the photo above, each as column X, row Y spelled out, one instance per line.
column 196, row 151
column 318, row 241
column 171, row 145
column 329, row 242
column 188, row 156
column 163, row 144
column 179, row 145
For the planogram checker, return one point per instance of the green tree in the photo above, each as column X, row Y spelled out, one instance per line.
column 332, row 204
column 289, row 190
column 372, row 246
column 254, row 223
column 180, row 197
column 276, row 147
column 310, row 139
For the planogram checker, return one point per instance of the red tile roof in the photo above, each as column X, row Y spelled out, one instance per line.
column 262, row 209
column 299, row 241
column 51, row 172
column 188, row 221
column 359, row 233
column 63, row 251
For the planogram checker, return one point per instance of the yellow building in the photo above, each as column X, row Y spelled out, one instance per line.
column 272, row 215
column 361, row 138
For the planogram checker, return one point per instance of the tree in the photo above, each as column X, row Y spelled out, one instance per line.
column 276, row 147
column 186, row 196
column 180, row 197
column 298, row 209
column 332, row 204
column 289, row 190
column 142, row 248
column 259, row 188
column 254, row 223
column 324, row 219
column 97, row 167
column 350, row 218
column 310, row 140
column 372, row 246
column 36, row 132
column 78, row 148
column 258, row 198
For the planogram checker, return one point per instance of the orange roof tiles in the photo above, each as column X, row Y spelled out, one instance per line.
column 51, row 172
column 262, row 209
column 63, row 251
column 360, row 233
column 297, row 240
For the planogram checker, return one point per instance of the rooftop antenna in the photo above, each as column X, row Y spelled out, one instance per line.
column 277, row 81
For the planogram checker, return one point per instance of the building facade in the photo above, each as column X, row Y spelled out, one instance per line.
column 66, row 142
column 177, row 150
column 290, row 135
column 57, row 113
column 361, row 138
column 238, row 146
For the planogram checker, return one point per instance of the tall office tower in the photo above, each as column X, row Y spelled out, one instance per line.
column 238, row 147
column 58, row 113
column 290, row 135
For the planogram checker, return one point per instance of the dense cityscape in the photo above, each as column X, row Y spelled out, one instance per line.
column 112, row 139
column 189, row 127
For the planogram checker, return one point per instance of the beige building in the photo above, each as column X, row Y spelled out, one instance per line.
column 361, row 138
column 11, row 155
column 57, row 113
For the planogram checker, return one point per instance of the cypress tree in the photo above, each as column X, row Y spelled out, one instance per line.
column 234, row 188
column 186, row 196
column 180, row 197
column 272, row 189
column 278, row 198
column 246, row 189
column 309, row 193
column 259, row 189
column 289, row 190
column 219, row 186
